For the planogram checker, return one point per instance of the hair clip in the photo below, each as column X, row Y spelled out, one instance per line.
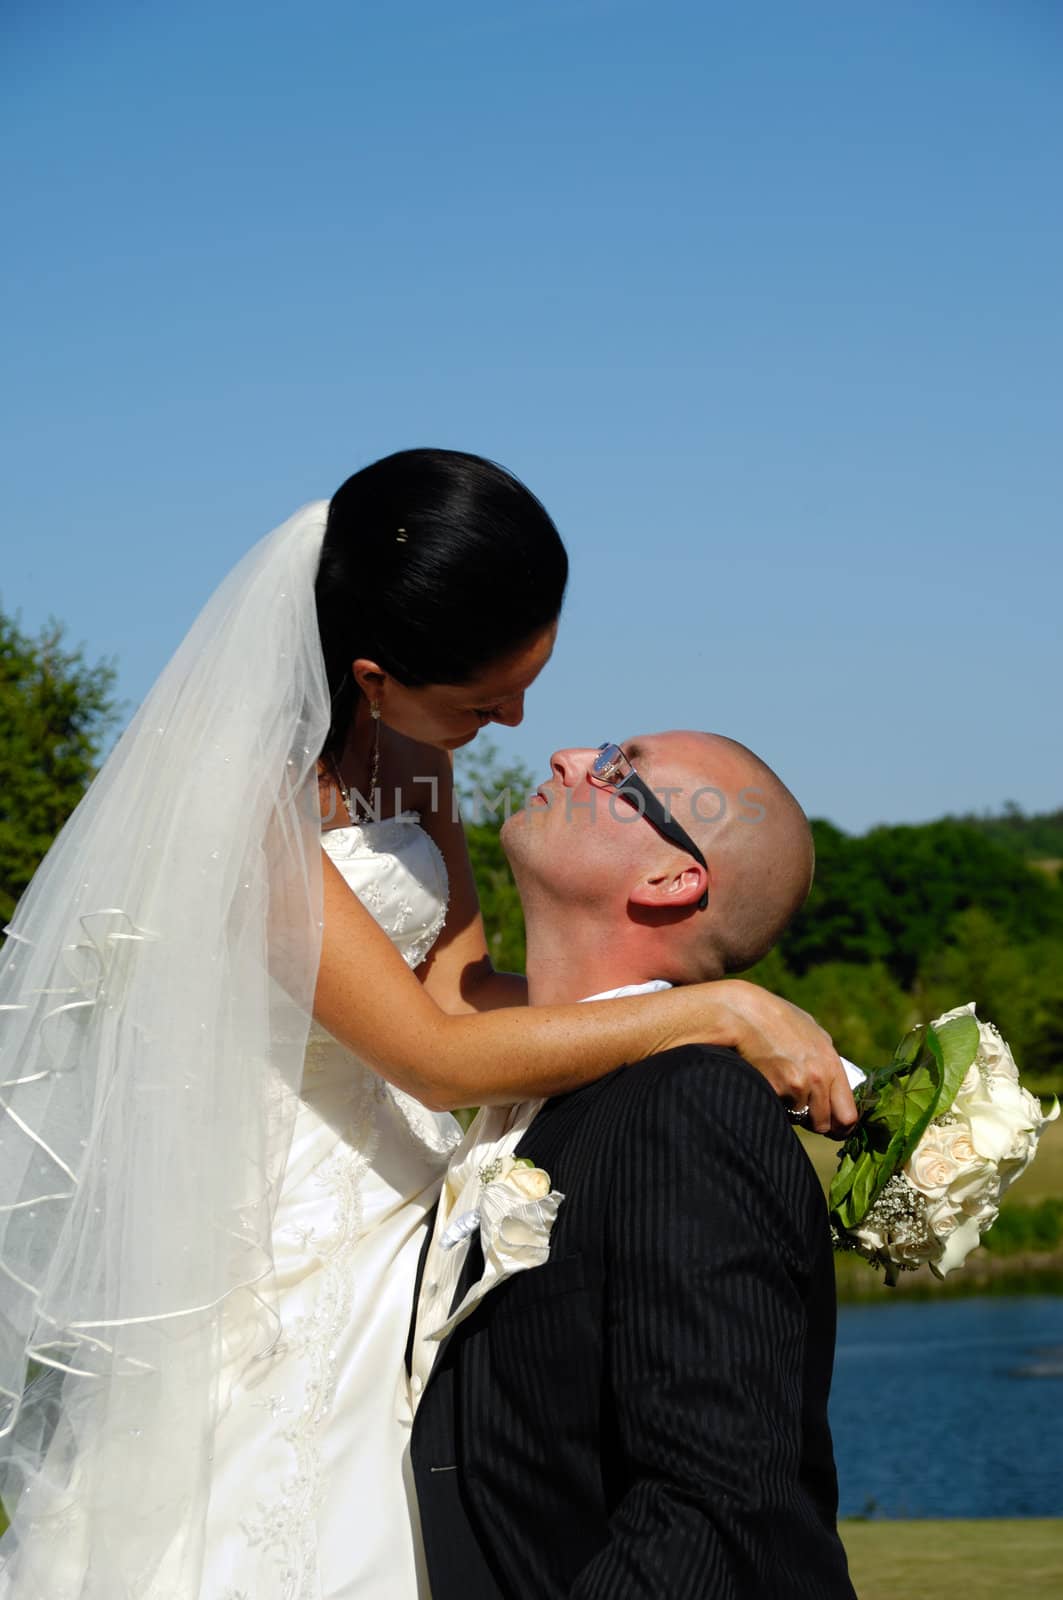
column 400, row 536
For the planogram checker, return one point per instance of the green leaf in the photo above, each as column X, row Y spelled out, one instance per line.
column 866, row 1186
column 959, row 1040
column 904, row 1057
column 843, row 1179
column 928, row 1064
column 912, row 1101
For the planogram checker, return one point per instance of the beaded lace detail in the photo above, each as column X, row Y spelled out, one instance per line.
column 411, row 910
column 286, row 1527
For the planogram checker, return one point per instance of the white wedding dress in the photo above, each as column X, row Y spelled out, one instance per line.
column 141, row 1181
column 309, row 1498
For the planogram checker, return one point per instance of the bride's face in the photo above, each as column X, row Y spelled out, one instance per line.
column 449, row 715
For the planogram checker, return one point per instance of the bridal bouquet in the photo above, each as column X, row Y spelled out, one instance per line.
column 944, row 1130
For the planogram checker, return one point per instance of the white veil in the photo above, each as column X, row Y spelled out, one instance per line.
column 155, row 998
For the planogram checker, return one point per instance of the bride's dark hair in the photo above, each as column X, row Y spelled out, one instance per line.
column 434, row 564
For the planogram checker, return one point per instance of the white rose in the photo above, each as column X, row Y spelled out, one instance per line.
column 958, row 1247
column 993, row 1052
column 995, row 1113
column 972, row 1081
column 957, row 1011
column 1039, row 1119
column 984, row 1212
column 930, row 1168
column 1018, row 1158
column 914, row 1251
column 530, row 1182
column 956, row 1140
column 975, row 1190
column 942, row 1218
column 870, row 1237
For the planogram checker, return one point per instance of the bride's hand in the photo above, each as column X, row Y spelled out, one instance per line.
column 795, row 1055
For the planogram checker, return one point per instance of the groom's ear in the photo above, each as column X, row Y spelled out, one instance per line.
column 665, row 891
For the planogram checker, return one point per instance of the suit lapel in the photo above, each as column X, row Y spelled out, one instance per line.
column 542, row 1143
column 548, row 1134
column 556, row 1122
column 426, row 1246
column 471, row 1273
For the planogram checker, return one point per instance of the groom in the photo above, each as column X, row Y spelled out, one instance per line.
column 643, row 1410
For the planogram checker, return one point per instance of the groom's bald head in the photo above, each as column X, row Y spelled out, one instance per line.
column 584, row 853
column 759, row 850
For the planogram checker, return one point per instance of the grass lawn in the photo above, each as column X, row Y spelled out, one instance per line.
column 1021, row 1560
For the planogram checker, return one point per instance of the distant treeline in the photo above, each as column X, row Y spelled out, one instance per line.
column 1036, row 838
column 902, row 923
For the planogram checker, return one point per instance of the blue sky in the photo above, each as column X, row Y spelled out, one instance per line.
column 762, row 300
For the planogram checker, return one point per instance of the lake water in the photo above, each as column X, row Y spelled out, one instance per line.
column 950, row 1408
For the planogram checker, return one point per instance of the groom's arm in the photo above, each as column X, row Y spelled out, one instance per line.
column 715, row 1226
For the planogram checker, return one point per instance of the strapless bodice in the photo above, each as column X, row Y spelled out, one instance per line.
column 399, row 875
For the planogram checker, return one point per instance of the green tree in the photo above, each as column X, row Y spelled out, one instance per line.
column 56, row 710
column 1043, row 1061
column 891, row 896
column 841, row 920
column 862, row 1006
column 1017, row 986
column 490, row 791
column 976, row 962
column 1038, row 837
column 499, row 900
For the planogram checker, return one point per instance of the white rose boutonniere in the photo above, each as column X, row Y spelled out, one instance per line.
column 515, row 1216
column 519, row 1173
column 944, row 1130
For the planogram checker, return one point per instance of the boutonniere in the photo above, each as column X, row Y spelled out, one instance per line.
column 515, row 1213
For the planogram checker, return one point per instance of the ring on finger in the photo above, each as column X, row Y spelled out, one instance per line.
column 797, row 1116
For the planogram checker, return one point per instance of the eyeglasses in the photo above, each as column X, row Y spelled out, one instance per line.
column 611, row 769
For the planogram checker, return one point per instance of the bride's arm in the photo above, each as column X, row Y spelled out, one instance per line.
column 370, row 1001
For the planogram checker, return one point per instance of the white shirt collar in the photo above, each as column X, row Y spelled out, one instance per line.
column 629, row 988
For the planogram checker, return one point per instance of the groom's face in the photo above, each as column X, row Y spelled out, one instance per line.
column 582, row 841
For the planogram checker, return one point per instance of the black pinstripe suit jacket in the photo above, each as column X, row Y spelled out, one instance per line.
column 646, row 1414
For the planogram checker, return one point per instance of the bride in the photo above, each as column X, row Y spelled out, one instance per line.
column 224, row 1093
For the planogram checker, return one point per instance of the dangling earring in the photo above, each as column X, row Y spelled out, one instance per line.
column 374, row 766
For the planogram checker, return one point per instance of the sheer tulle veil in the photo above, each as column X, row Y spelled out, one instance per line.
column 155, row 996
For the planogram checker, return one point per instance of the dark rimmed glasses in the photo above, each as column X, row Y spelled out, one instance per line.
column 612, row 770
